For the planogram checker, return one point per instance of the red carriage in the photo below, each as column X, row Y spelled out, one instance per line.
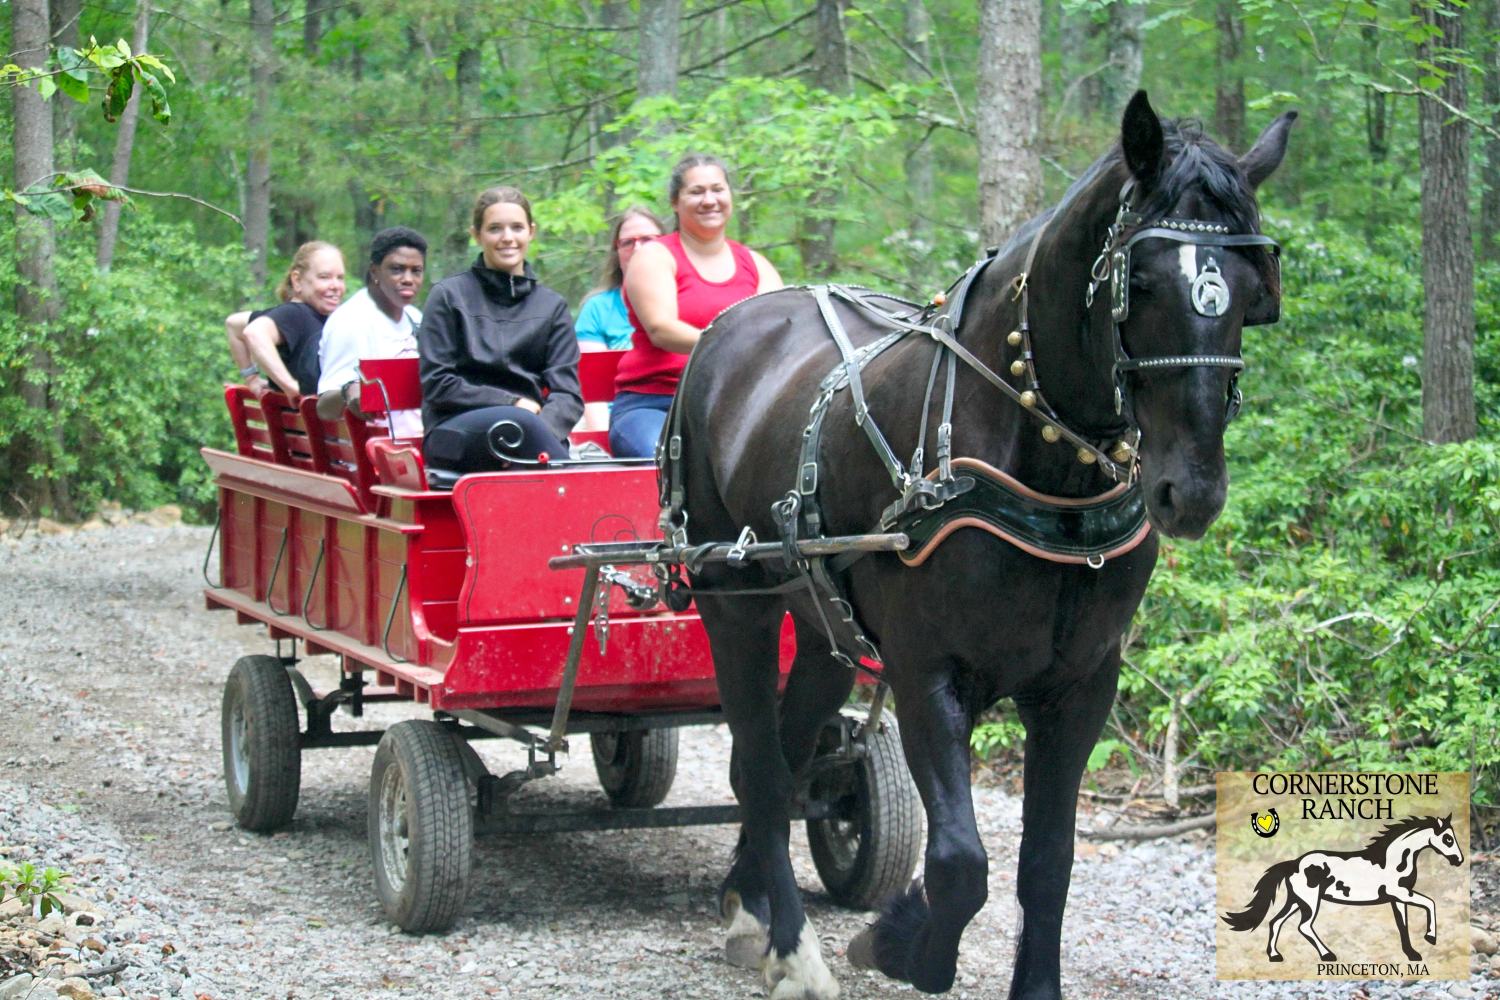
column 497, row 607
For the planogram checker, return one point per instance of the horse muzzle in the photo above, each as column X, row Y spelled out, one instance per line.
column 1183, row 502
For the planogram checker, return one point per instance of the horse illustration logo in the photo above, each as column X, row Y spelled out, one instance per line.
column 1267, row 825
column 1385, row 871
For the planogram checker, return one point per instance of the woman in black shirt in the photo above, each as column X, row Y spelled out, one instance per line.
column 281, row 343
column 499, row 360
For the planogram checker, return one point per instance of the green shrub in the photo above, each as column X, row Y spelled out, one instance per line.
column 138, row 357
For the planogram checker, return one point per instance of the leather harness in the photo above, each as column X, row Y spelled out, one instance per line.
column 965, row 492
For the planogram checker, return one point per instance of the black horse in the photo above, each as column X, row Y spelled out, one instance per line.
column 1028, row 598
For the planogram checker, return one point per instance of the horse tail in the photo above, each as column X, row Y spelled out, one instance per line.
column 1265, row 893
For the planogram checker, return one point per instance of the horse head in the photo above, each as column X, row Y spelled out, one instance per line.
column 1442, row 838
column 1189, row 271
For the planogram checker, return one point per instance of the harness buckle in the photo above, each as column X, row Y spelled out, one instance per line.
column 674, row 447
column 807, row 479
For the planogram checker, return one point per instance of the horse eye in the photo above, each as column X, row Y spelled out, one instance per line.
column 1448, row 839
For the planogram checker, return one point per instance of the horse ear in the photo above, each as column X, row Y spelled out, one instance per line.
column 1265, row 156
column 1141, row 139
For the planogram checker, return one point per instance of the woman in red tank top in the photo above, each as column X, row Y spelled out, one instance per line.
column 676, row 285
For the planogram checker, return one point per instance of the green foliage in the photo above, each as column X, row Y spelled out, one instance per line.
column 72, row 73
column 1342, row 611
column 138, row 355
column 35, row 889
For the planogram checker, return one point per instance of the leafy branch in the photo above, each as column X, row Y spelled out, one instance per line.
column 36, row 889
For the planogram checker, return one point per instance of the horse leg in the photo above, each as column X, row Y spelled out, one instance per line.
column 816, row 688
column 1286, row 911
column 1060, row 735
column 1407, row 897
column 1399, row 910
column 744, row 636
column 916, row 937
column 1309, row 914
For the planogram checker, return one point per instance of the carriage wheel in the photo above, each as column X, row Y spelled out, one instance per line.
column 636, row 767
column 421, row 826
column 262, row 758
column 869, row 850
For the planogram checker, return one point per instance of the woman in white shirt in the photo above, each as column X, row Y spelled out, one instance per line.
column 378, row 321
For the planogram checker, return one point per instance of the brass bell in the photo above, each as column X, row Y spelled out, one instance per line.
column 1085, row 456
column 1122, row 452
column 1028, row 399
column 939, row 299
column 1013, row 338
column 1050, row 433
column 1017, row 367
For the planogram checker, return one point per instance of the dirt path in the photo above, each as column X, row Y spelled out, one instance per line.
column 112, row 673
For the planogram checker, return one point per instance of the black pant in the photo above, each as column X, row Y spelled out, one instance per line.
column 486, row 439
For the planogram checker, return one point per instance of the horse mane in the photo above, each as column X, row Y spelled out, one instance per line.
column 1375, row 850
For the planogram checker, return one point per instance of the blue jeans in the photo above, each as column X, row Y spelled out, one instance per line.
column 635, row 423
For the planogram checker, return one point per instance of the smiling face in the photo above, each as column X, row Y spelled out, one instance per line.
column 634, row 231
column 705, row 203
column 503, row 235
column 321, row 284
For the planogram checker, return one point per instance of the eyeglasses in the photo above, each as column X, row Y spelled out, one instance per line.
column 634, row 241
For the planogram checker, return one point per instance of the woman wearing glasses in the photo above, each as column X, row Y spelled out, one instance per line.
column 603, row 324
column 676, row 285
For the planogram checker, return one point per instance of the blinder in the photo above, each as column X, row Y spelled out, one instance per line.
column 1209, row 293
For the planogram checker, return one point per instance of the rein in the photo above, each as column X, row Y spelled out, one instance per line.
column 1068, row 530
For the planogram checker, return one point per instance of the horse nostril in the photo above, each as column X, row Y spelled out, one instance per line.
column 1163, row 497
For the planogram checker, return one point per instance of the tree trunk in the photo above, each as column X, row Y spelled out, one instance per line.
column 1123, row 41
column 1447, row 250
column 830, row 73
column 1010, row 72
column 119, row 170
column 313, row 26
column 1229, row 90
column 919, row 170
column 1489, row 209
column 36, row 284
column 64, row 35
column 1076, row 49
column 258, row 170
column 661, row 22
column 1377, row 115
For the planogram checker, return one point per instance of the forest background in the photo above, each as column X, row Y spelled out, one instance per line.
column 1341, row 613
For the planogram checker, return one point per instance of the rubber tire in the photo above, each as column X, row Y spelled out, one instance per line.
column 866, row 859
column 636, row 768
column 259, row 714
column 420, row 764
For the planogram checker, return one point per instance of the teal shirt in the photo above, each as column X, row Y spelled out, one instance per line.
column 603, row 320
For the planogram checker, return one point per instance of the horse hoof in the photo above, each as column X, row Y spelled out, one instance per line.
column 745, row 951
column 1414, row 955
column 1329, row 956
column 802, row 974
column 1430, row 938
column 745, row 939
column 1274, row 958
column 861, row 951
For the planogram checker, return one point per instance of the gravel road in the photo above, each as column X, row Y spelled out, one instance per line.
column 111, row 674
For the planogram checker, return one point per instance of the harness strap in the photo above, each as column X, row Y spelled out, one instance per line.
column 852, row 365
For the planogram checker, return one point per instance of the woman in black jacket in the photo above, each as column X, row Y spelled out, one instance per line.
column 492, row 340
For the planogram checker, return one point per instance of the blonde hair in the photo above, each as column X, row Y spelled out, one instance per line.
column 301, row 262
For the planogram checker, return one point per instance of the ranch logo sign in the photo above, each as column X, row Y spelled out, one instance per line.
column 1343, row 876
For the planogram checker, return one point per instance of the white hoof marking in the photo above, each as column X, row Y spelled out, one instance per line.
column 802, row 974
column 745, row 938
